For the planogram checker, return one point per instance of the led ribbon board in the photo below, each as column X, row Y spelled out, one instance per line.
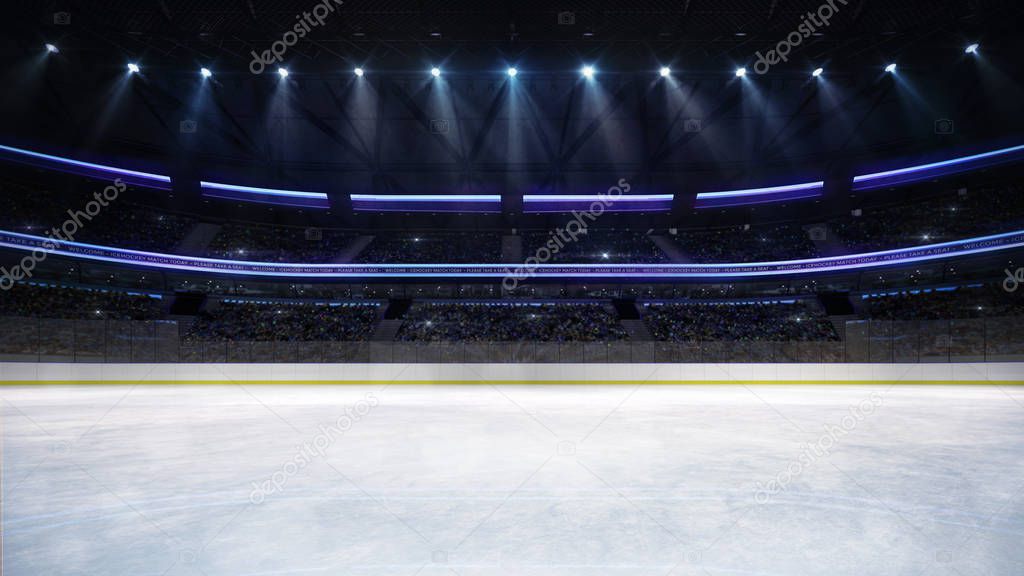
column 936, row 169
column 542, row 203
column 265, row 195
column 759, row 195
column 640, row 272
column 87, row 169
column 481, row 203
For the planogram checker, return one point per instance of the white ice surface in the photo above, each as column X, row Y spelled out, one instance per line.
column 466, row 481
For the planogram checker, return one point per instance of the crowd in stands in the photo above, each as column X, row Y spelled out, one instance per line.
column 120, row 223
column 42, row 301
column 594, row 247
column 951, row 303
column 746, row 244
column 265, row 243
column 747, row 322
column 433, row 248
column 951, row 216
column 454, row 322
column 286, row 322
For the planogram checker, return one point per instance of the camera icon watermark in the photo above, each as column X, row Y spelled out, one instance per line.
column 944, row 126
column 439, row 126
column 566, row 18
column 187, row 126
column 62, row 18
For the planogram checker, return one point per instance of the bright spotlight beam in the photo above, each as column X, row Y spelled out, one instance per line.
column 818, row 72
column 665, row 72
column 971, row 49
column 205, row 72
column 52, row 49
column 359, row 72
column 133, row 68
column 588, row 72
column 282, row 72
column 741, row 72
column 435, row 72
column 891, row 68
column 512, row 72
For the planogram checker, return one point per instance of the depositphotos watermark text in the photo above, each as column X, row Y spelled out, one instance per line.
column 64, row 233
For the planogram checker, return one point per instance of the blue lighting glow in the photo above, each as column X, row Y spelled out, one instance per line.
column 595, row 197
column 886, row 258
column 759, row 195
column 762, row 191
column 266, row 195
column 87, row 165
column 267, row 191
column 925, row 171
column 427, row 197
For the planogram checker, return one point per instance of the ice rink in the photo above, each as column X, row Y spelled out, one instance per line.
column 245, row 480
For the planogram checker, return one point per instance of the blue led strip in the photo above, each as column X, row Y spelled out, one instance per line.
column 936, row 169
column 83, row 168
column 265, row 195
column 902, row 256
column 426, row 202
column 759, row 195
column 540, row 203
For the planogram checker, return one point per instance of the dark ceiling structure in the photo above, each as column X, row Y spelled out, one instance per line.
column 474, row 129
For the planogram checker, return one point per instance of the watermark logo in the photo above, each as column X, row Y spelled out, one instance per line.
column 438, row 126
column 821, row 448
column 306, row 22
column 562, row 237
column 312, row 449
column 1013, row 279
column 810, row 23
column 64, row 233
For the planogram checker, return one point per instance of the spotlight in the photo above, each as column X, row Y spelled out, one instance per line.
column 818, row 72
column 512, row 72
column 52, row 49
column 741, row 72
column 205, row 72
column 283, row 72
column 359, row 72
column 891, row 68
column 133, row 67
column 588, row 71
column 971, row 49
column 665, row 72
column 435, row 72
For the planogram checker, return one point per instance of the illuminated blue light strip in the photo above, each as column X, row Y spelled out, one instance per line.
column 762, row 191
column 902, row 256
column 427, row 198
column 935, row 166
column 594, row 197
column 88, row 165
column 263, row 191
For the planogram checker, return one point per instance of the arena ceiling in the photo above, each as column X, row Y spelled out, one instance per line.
column 325, row 129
